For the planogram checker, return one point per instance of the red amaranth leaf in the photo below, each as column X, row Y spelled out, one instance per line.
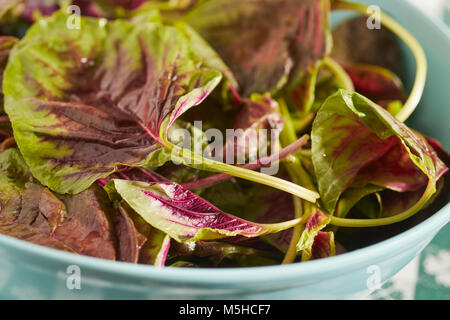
column 376, row 83
column 323, row 246
column 185, row 216
column 137, row 79
column 264, row 42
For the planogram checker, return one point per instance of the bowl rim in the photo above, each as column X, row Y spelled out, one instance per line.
column 251, row 275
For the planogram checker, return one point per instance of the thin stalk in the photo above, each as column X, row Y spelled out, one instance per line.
column 297, row 231
column 220, row 177
column 343, row 222
column 302, row 123
column 194, row 160
column 417, row 50
column 339, row 72
column 298, row 175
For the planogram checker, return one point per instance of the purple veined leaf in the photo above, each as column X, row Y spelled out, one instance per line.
column 322, row 247
column 301, row 97
column 137, row 80
column 258, row 126
column 376, row 83
column 396, row 171
column 351, row 133
column 253, row 202
column 138, row 242
column 185, row 216
column 265, row 43
column 317, row 220
column 395, row 202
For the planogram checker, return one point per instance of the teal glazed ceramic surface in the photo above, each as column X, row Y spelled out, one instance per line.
column 30, row 271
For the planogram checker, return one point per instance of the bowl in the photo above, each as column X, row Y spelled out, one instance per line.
column 28, row 271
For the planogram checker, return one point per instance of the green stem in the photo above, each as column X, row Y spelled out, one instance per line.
column 417, row 50
column 302, row 123
column 342, row 222
column 291, row 252
column 298, row 175
column 339, row 72
column 191, row 159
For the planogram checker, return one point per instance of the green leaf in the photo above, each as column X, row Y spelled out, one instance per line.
column 351, row 133
column 136, row 81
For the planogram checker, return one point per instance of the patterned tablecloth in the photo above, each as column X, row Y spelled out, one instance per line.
column 428, row 275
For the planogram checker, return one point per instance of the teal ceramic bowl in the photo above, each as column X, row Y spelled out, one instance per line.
column 30, row 271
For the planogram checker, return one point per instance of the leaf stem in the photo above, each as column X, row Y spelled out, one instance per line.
column 298, row 175
column 339, row 72
column 417, row 50
column 220, row 177
column 343, row 222
column 197, row 161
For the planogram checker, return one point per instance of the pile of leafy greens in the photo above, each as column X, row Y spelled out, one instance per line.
column 88, row 163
